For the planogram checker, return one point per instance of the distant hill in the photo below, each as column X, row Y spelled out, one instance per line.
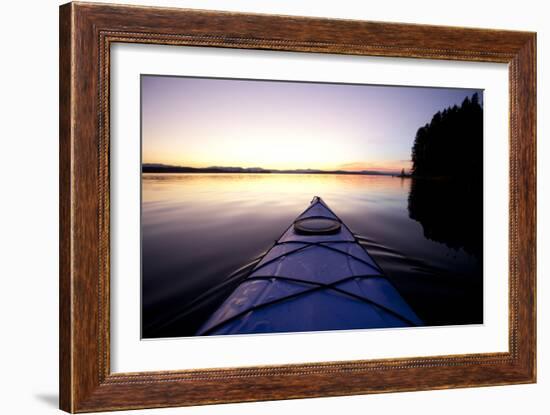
column 163, row 168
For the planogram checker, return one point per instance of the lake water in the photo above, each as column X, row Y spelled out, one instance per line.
column 199, row 228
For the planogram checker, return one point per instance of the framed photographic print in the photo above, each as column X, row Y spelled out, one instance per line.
column 261, row 207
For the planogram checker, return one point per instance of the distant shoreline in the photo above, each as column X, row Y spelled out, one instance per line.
column 256, row 170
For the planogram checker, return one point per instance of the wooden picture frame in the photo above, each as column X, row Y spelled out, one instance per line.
column 86, row 33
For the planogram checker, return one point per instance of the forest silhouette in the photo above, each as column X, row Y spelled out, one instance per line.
column 446, row 195
column 451, row 145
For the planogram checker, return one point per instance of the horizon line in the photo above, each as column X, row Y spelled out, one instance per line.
column 374, row 169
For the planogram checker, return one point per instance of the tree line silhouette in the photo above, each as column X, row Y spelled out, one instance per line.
column 451, row 145
column 446, row 194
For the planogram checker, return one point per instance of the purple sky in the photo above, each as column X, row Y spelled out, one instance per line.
column 205, row 122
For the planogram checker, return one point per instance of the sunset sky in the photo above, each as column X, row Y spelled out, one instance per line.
column 202, row 122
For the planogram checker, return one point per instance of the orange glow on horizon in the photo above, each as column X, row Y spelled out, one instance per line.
column 383, row 166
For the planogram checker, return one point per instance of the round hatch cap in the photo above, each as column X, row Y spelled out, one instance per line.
column 317, row 226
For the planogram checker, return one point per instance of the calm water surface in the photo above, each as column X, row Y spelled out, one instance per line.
column 199, row 228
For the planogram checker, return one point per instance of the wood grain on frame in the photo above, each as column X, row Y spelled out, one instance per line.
column 86, row 33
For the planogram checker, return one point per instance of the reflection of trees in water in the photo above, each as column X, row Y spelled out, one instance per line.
column 450, row 212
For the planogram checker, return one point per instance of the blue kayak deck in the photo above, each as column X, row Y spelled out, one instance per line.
column 312, row 282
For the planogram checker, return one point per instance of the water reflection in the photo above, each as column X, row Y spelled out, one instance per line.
column 198, row 228
column 450, row 212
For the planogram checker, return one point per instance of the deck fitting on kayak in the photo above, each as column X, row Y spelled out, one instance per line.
column 317, row 225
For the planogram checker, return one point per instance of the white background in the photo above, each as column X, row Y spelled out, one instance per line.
column 29, row 228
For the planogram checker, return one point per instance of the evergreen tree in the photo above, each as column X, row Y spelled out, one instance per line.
column 451, row 145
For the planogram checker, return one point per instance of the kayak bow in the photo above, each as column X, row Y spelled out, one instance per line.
column 316, row 277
